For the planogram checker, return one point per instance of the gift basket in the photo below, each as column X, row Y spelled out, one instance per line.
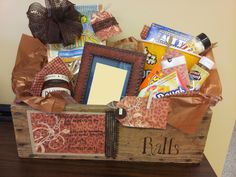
column 80, row 96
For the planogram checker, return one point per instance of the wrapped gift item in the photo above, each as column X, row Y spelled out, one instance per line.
column 105, row 25
column 54, row 67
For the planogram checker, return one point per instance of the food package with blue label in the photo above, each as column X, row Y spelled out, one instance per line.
column 161, row 34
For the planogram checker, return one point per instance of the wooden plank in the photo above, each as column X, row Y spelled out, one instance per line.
column 68, row 108
column 170, row 145
column 21, row 131
column 134, row 144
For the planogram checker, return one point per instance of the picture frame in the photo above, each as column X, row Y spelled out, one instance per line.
column 128, row 64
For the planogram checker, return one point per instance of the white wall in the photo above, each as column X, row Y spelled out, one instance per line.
column 214, row 17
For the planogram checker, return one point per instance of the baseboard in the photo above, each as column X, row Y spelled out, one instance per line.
column 5, row 113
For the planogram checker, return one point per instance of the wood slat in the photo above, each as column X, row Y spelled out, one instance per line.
column 134, row 144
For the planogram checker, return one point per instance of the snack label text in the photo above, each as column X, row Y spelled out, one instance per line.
column 172, row 92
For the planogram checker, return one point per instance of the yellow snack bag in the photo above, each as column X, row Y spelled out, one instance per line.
column 155, row 52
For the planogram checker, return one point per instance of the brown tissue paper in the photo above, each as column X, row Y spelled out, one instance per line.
column 128, row 44
column 188, row 109
column 31, row 58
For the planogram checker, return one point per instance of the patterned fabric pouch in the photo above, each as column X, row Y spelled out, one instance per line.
column 133, row 112
column 56, row 66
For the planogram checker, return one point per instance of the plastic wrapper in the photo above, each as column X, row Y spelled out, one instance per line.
column 31, row 58
column 168, row 85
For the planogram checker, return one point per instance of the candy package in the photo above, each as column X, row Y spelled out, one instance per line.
column 156, row 52
column 168, row 85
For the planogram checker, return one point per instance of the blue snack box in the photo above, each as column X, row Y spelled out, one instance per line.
column 161, row 34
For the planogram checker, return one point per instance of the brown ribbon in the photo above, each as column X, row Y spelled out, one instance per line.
column 59, row 22
column 103, row 24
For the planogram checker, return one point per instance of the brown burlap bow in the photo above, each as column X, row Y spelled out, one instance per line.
column 59, row 22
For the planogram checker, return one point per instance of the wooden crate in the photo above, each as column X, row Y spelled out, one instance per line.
column 134, row 144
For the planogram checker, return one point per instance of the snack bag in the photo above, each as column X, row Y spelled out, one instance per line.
column 155, row 53
column 153, row 57
column 72, row 52
column 152, row 77
column 168, row 85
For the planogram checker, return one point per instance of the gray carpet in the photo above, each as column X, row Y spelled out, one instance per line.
column 230, row 163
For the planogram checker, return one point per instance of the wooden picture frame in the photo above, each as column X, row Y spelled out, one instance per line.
column 93, row 54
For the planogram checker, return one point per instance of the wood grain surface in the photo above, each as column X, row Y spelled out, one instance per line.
column 134, row 144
